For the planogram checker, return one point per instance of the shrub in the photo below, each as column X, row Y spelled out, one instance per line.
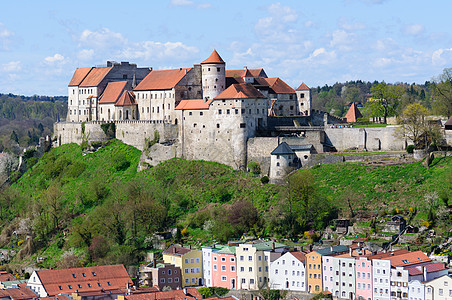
column 205, row 292
column 410, row 149
column 254, row 168
column 265, row 180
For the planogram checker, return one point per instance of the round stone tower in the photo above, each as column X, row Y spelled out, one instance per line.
column 213, row 75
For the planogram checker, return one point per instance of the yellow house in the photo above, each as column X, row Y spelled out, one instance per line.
column 189, row 261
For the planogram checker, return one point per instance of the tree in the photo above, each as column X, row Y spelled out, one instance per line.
column 352, row 94
column 442, row 93
column 413, row 123
column 385, row 100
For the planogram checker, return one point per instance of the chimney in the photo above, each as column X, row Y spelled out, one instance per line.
column 150, row 68
column 189, row 247
column 273, row 246
column 154, row 263
column 185, row 71
column 185, row 291
column 350, row 251
column 245, row 67
column 331, row 249
column 174, row 249
column 424, row 269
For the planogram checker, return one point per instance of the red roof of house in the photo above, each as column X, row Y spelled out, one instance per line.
column 88, row 279
column 387, row 254
column 301, row 256
column 247, row 73
column 79, row 75
column 162, row 79
column 407, row 259
column 95, row 76
column 303, row 87
column 5, row 276
column 21, row 293
column 191, row 294
column 194, row 104
column 240, row 91
column 127, row 98
column 214, row 58
column 176, row 250
column 239, row 72
column 279, row 86
column 353, row 113
column 112, row 92
column 430, row 268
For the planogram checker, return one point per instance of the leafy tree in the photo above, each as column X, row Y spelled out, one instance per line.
column 385, row 100
column 442, row 93
column 414, row 125
column 243, row 216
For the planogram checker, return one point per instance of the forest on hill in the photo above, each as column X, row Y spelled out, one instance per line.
column 73, row 208
column 23, row 120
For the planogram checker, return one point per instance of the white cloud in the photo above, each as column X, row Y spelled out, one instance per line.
column 159, row 51
column 85, row 54
column 103, row 38
column 12, row 66
column 442, row 57
column 382, row 62
column 5, row 36
column 278, row 27
column 342, row 40
column 414, row 29
column 321, row 56
column 181, row 2
column 56, row 58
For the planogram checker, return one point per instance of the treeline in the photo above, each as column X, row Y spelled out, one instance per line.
column 386, row 100
column 23, row 120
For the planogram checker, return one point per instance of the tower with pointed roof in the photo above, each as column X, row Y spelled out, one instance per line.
column 304, row 99
column 213, row 76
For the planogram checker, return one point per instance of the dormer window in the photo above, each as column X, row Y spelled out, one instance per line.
column 73, row 275
column 94, row 273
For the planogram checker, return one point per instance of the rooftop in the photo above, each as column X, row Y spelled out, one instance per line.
column 162, row 79
column 214, row 58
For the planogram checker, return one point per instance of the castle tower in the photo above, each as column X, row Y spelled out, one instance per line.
column 213, row 75
column 304, row 99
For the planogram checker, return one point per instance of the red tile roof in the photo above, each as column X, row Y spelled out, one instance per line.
column 127, row 98
column 214, row 58
column 176, row 250
column 353, row 113
column 407, row 259
column 194, row 104
column 162, row 79
column 191, row 294
column 112, row 92
column 430, row 268
column 303, row 87
column 387, row 254
column 239, row 72
column 247, row 73
column 279, row 86
column 301, row 256
column 79, row 75
column 240, row 91
column 21, row 293
column 90, row 279
column 95, row 77
column 5, row 276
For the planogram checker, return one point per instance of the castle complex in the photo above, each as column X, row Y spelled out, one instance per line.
column 205, row 112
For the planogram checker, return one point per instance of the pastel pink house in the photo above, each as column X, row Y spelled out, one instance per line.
column 224, row 268
column 363, row 277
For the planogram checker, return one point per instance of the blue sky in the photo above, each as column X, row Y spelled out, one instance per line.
column 317, row 42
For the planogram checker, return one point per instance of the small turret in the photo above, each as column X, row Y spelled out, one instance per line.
column 304, row 99
column 213, row 75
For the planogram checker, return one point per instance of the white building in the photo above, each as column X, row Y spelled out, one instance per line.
column 439, row 288
column 416, row 290
column 288, row 272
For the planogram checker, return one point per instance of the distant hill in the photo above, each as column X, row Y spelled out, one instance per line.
column 24, row 119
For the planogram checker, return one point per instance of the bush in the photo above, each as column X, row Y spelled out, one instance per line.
column 205, row 292
column 410, row 149
column 265, row 180
column 254, row 168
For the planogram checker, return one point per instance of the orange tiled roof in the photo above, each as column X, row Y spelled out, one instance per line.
column 353, row 113
column 79, row 75
column 387, row 254
column 303, row 87
column 239, row 72
column 162, row 79
column 5, row 276
column 408, row 259
column 21, row 293
column 112, row 92
column 95, row 76
column 279, row 86
column 127, row 98
column 194, row 104
column 89, row 279
column 301, row 256
column 192, row 294
column 240, row 91
column 176, row 250
column 214, row 58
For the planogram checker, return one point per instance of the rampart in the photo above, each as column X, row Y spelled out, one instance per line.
column 368, row 138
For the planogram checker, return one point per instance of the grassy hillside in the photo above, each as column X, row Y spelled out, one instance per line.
column 95, row 208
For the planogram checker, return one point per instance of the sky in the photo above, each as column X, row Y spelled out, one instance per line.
column 317, row 42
